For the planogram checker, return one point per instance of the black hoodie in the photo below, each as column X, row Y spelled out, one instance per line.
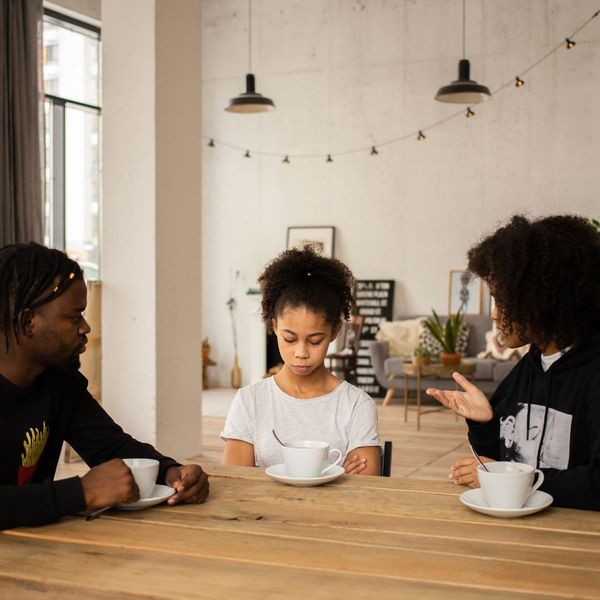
column 550, row 420
column 34, row 423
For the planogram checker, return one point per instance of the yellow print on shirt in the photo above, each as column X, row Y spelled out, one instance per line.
column 34, row 444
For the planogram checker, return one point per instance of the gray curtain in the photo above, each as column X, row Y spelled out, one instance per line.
column 20, row 141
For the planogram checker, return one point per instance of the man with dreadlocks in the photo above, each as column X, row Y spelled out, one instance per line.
column 44, row 401
column 545, row 277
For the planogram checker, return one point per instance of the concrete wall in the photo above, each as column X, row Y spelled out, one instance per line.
column 351, row 73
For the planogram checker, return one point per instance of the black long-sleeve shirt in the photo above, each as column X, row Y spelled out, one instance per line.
column 550, row 420
column 34, row 423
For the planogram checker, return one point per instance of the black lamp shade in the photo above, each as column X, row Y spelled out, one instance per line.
column 463, row 90
column 250, row 101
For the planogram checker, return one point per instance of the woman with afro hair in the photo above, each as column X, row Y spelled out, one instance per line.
column 305, row 298
column 545, row 278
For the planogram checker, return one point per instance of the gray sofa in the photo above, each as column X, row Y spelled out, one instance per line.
column 489, row 372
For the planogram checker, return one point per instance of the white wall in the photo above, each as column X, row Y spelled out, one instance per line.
column 346, row 74
column 151, row 251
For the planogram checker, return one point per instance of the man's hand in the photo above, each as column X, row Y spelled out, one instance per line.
column 190, row 483
column 109, row 483
column 470, row 404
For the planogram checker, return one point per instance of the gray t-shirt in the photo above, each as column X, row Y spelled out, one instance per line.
column 346, row 419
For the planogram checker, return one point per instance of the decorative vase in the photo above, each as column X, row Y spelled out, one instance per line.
column 236, row 374
column 448, row 359
column 205, row 353
column 421, row 361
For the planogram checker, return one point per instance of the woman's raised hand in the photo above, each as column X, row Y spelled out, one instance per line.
column 470, row 403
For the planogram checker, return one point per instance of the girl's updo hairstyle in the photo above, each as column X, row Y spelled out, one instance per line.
column 303, row 278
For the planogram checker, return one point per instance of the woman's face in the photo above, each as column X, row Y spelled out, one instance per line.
column 512, row 338
column 303, row 337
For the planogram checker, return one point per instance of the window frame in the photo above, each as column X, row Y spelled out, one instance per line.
column 57, row 107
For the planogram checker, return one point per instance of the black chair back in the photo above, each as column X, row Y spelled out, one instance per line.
column 386, row 459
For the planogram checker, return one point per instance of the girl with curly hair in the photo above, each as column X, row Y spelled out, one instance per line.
column 545, row 278
column 305, row 297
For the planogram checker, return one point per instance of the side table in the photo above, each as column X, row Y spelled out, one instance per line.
column 432, row 370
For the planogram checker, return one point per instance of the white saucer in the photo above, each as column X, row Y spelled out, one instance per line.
column 279, row 473
column 536, row 502
column 159, row 494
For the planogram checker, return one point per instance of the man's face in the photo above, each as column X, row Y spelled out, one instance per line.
column 59, row 330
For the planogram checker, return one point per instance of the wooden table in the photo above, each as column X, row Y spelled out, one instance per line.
column 410, row 370
column 356, row 538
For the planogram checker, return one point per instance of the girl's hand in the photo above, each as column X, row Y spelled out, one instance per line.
column 354, row 464
column 464, row 471
column 471, row 404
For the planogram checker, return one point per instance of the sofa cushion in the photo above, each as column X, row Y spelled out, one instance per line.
column 393, row 366
column 401, row 336
column 429, row 343
column 484, row 368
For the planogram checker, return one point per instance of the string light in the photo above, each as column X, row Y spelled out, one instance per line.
column 567, row 42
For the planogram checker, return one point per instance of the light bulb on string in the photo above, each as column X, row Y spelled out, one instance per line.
column 329, row 159
column 569, row 43
column 247, row 155
column 421, row 136
column 469, row 113
column 286, row 160
column 519, row 82
column 374, row 151
column 211, row 144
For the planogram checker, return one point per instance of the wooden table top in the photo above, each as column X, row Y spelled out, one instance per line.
column 355, row 538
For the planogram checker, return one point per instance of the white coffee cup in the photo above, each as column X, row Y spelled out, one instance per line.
column 508, row 484
column 145, row 472
column 308, row 458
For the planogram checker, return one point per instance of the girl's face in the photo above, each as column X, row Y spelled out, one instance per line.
column 303, row 337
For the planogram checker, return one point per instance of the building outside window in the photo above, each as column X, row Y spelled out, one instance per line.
column 72, row 118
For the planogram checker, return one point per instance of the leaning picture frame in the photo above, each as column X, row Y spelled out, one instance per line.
column 319, row 238
column 464, row 293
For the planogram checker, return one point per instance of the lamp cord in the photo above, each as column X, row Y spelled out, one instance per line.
column 249, row 36
column 464, row 28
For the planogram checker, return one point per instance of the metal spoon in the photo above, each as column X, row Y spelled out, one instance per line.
column 277, row 437
column 476, row 456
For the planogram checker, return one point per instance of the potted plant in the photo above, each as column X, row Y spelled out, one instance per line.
column 446, row 334
column 421, row 357
column 205, row 349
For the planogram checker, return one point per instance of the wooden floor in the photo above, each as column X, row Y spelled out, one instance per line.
column 425, row 454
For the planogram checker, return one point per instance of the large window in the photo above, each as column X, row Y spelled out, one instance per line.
column 72, row 87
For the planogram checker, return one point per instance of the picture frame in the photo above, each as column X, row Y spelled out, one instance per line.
column 464, row 293
column 321, row 238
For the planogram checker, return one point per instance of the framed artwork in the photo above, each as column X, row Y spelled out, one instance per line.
column 464, row 293
column 487, row 302
column 320, row 239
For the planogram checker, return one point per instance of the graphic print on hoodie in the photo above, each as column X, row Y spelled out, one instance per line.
column 520, row 443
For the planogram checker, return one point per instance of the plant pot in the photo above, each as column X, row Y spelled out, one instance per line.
column 448, row 359
column 421, row 361
column 205, row 353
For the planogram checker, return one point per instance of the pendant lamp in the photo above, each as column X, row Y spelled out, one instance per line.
column 464, row 90
column 250, row 101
